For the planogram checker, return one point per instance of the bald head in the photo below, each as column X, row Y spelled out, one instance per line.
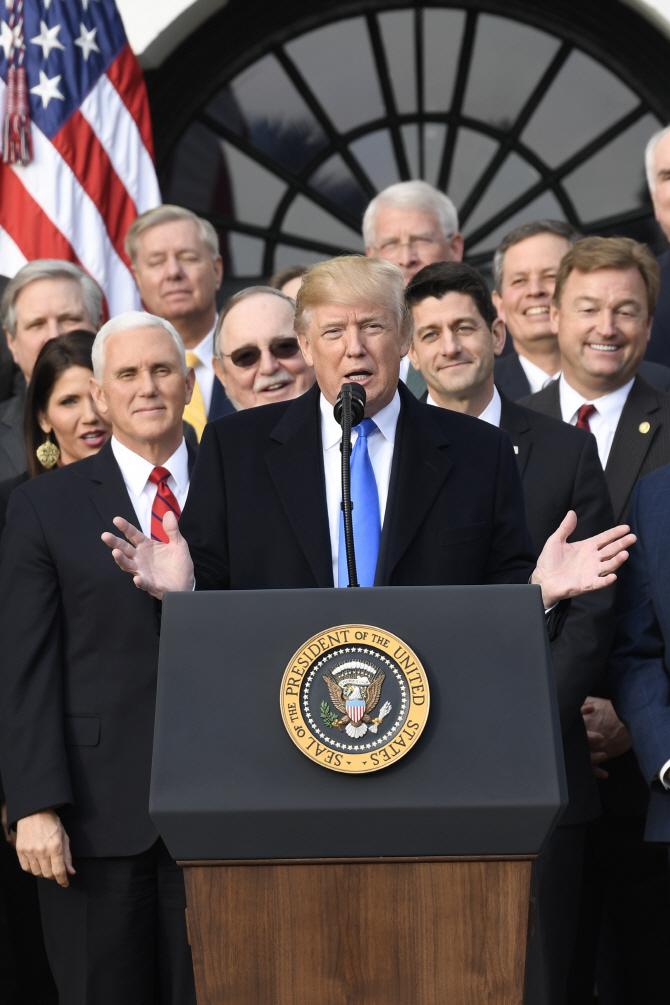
column 257, row 359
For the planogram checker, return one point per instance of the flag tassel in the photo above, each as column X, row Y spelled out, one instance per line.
column 17, row 137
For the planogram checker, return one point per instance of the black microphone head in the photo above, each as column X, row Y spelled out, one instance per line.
column 356, row 394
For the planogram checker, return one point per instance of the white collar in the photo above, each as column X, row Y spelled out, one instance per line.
column 609, row 406
column 491, row 413
column 205, row 349
column 537, row 377
column 136, row 469
column 386, row 421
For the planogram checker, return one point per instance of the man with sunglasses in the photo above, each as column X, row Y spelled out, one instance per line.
column 256, row 353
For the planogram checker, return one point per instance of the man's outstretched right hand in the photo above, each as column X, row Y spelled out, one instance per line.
column 155, row 567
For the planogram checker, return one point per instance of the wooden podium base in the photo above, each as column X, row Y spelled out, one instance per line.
column 359, row 931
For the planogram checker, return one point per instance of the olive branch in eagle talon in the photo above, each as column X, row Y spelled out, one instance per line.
column 362, row 691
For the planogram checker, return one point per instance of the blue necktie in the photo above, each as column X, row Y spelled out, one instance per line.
column 366, row 517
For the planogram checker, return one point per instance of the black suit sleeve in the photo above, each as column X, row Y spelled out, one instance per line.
column 204, row 521
column 511, row 554
column 33, row 756
column 580, row 652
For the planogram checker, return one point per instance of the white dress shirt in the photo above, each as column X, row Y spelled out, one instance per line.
column 204, row 371
column 380, row 449
column 142, row 492
column 491, row 413
column 604, row 420
column 536, row 376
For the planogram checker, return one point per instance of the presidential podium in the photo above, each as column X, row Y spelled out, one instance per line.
column 406, row 881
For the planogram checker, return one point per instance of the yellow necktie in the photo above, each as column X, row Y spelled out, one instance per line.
column 195, row 413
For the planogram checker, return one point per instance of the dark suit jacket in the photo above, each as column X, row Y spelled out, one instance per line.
column 640, row 666
column 511, row 379
column 633, row 454
column 80, row 658
column 220, row 404
column 256, row 516
column 560, row 470
column 658, row 349
column 12, row 450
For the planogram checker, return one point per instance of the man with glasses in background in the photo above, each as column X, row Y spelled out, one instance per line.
column 256, row 353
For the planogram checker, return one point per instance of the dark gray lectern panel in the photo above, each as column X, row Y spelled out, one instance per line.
column 485, row 778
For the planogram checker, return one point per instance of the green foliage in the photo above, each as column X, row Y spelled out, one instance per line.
column 327, row 714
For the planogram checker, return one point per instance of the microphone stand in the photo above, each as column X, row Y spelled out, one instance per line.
column 343, row 414
column 346, row 485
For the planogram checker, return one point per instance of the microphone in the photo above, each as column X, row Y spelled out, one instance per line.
column 349, row 410
column 356, row 396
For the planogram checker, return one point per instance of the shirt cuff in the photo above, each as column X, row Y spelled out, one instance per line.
column 661, row 776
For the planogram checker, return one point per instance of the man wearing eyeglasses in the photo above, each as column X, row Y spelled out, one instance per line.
column 412, row 224
column 256, row 353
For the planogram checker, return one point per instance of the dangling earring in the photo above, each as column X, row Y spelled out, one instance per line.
column 48, row 453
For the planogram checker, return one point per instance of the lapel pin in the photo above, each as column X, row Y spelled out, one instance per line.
column 516, row 450
column 644, row 427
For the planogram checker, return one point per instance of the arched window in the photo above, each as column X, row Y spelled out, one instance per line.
column 512, row 120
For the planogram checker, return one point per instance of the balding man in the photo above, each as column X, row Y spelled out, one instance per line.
column 456, row 480
column 46, row 298
column 78, row 686
column 178, row 270
column 256, row 353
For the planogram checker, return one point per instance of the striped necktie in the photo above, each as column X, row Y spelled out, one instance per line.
column 195, row 412
column 365, row 514
column 163, row 502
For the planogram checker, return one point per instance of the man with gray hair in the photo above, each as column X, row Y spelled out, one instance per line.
column 412, row 224
column 46, row 298
column 178, row 270
column 657, row 167
column 78, row 687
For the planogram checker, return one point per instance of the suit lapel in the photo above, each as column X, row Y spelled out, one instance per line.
column 296, row 469
column 11, row 430
column 551, row 400
column 518, row 377
column 630, row 446
column 516, row 425
column 419, row 468
column 108, row 490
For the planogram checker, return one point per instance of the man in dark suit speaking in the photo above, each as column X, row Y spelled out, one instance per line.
column 78, row 686
column 440, row 495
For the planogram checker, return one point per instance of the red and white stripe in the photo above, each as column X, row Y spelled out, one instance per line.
column 85, row 187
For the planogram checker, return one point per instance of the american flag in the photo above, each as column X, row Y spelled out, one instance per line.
column 92, row 170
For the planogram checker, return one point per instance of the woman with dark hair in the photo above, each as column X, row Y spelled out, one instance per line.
column 62, row 425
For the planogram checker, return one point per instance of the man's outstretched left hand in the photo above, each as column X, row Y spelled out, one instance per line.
column 565, row 570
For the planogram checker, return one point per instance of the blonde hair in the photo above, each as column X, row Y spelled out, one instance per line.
column 353, row 279
column 592, row 253
column 168, row 214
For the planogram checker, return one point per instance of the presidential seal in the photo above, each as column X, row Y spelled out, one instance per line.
column 355, row 698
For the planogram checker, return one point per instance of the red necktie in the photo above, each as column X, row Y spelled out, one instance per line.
column 583, row 415
column 163, row 502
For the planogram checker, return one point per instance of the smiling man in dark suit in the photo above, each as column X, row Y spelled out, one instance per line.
column 457, row 337
column 78, row 686
column 524, row 271
column 604, row 302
